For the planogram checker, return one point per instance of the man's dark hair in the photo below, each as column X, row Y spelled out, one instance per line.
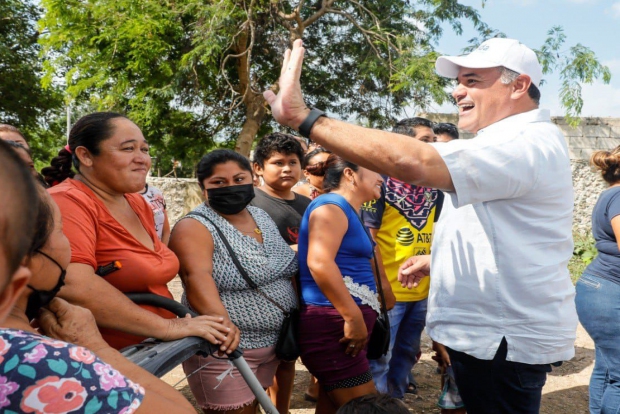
column 534, row 93
column 374, row 404
column 277, row 142
column 446, row 128
column 20, row 204
column 407, row 126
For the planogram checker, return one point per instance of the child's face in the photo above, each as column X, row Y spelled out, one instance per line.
column 280, row 172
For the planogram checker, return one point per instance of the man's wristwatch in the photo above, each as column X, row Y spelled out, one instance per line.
column 306, row 126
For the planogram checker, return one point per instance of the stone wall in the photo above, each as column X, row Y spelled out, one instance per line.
column 182, row 195
column 592, row 134
column 587, row 185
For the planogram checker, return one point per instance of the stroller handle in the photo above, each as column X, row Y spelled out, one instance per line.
column 172, row 306
column 160, row 357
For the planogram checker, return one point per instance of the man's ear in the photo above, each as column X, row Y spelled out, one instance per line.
column 520, row 86
column 257, row 169
column 84, row 156
column 13, row 290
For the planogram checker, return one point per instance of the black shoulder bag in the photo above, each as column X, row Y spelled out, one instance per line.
column 379, row 341
column 287, row 347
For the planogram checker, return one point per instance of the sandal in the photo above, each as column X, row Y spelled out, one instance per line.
column 411, row 389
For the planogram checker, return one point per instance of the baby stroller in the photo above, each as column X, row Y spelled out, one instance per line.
column 159, row 357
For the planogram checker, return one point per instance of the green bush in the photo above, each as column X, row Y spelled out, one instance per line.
column 583, row 254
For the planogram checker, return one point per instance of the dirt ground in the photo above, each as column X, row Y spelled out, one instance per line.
column 566, row 390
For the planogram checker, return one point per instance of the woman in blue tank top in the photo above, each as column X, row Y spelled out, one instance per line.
column 338, row 289
column 598, row 289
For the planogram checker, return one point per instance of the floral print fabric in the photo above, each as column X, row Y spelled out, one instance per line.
column 42, row 375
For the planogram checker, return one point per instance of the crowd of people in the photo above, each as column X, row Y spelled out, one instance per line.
column 471, row 239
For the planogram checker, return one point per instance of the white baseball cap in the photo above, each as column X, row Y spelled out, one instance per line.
column 509, row 53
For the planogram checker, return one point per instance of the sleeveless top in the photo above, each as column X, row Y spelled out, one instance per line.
column 271, row 265
column 353, row 257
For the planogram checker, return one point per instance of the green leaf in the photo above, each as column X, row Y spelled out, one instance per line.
column 27, row 371
column 113, row 399
column 58, row 365
column 29, row 346
column 86, row 374
column 93, row 406
column 11, row 363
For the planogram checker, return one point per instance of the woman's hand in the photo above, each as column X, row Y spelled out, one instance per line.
column 72, row 324
column 355, row 335
column 234, row 336
column 215, row 329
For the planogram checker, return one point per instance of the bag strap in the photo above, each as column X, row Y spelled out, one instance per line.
column 377, row 274
column 235, row 260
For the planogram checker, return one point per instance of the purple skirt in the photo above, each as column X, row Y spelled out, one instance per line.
column 320, row 330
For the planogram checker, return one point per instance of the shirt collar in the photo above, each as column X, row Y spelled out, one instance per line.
column 535, row 115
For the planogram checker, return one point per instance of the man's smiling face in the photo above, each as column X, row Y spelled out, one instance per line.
column 482, row 98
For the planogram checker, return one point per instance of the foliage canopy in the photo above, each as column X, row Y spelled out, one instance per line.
column 190, row 72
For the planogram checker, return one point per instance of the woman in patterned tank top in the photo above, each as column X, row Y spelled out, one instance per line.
column 214, row 286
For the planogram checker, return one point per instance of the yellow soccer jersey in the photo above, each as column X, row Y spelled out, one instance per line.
column 404, row 216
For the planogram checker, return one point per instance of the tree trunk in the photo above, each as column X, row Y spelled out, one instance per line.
column 254, row 103
column 254, row 114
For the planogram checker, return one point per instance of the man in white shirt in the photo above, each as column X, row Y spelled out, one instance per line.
column 501, row 299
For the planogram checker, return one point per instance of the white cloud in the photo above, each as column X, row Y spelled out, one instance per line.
column 615, row 9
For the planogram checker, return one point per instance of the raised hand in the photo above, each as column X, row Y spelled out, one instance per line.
column 288, row 106
column 413, row 270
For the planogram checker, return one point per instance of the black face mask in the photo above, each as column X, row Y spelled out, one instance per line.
column 232, row 199
column 40, row 298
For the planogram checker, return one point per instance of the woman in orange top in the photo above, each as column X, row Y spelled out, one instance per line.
column 105, row 221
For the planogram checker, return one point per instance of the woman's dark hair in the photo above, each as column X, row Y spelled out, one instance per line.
column 19, row 201
column 332, row 171
column 608, row 163
column 277, row 142
column 317, row 168
column 374, row 404
column 44, row 222
column 206, row 165
column 88, row 132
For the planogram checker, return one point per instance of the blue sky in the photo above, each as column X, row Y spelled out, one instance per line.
column 593, row 23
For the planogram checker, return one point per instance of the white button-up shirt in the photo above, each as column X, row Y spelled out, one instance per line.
column 502, row 244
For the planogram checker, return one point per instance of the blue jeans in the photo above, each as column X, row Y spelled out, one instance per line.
column 598, row 307
column 407, row 321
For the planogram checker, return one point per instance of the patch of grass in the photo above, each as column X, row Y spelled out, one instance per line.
column 583, row 254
